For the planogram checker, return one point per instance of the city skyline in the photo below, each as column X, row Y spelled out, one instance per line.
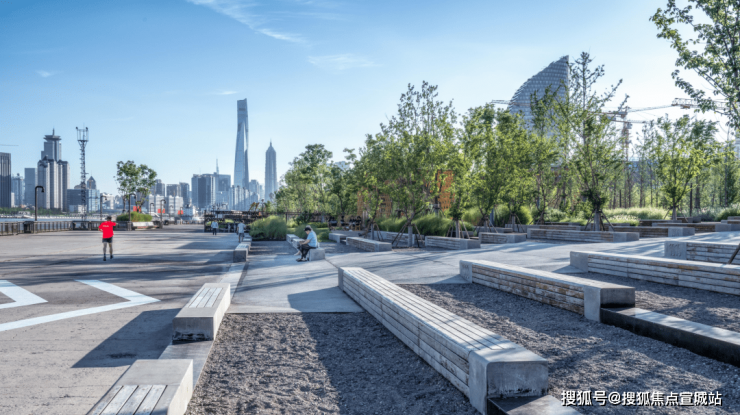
column 306, row 85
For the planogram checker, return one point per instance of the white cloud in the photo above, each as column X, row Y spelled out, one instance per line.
column 240, row 10
column 45, row 74
column 226, row 93
column 341, row 62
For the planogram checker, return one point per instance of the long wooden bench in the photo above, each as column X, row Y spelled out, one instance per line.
column 369, row 245
column 501, row 238
column 579, row 295
column 480, row 363
column 657, row 232
column 202, row 315
column 701, row 251
column 704, row 227
column 583, row 236
column 704, row 276
column 451, row 243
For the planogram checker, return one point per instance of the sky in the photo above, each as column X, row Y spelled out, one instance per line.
column 157, row 82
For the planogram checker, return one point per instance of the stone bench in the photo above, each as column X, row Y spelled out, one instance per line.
column 584, row 236
column 337, row 237
column 369, row 244
column 701, row 251
column 480, row 363
column 579, row 295
column 704, row 227
column 241, row 252
column 202, row 315
column 451, row 243
column 558, row 227
column 657, row 232
column 501, row 238
column 403, row 239
column 704, row 276
column 162, row 386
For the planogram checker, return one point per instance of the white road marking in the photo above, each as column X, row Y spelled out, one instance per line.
column 19, row 295
column 134, row 299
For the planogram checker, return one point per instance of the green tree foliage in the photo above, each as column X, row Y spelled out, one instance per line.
column 682, row 149
column 719, row 62
column 133, row 179
column 341, row 186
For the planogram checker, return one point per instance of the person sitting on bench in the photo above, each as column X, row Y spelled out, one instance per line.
column 310, row 243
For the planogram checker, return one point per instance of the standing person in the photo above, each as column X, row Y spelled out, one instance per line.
column 240, row 230
column 214, row 226
column 310, row 243
column 107, row 229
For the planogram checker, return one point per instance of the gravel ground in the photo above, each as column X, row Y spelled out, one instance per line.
column 585, row 355
column 706, row 307
column 318, row 364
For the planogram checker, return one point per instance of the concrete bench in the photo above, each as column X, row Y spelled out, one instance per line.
column 451, row 243
column 241, row 252
column 403, row 239
column 337, row 237
column 719, row 278
column 369, row 245
column 501, row 238
column 162, row 386
column 704, row 227
column 579, row 295
column 657, row 232
column 578, row 236
column 480, row 363
column 701, row 251
column 559, row 227
column 202, row 315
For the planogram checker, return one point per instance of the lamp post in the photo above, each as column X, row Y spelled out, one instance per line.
column 161, row 212
column 151, row 207
column 36, row 202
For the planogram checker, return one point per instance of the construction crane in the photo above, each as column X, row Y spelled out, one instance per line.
column 687, row 103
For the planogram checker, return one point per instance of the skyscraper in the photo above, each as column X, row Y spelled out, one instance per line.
column 30, row 183
column 554, row 76
column 18, row 190
column 53, row 173
column 5, row 180
column 91, row 183
column 185, row 193
column 271, row 182
column 241, row 156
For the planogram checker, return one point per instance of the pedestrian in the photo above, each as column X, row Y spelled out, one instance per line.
column 107, row 229
column 240, row 231
column 214, row 226
column 310, row 243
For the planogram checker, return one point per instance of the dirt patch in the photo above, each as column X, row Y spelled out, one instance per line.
column 585, row 355
column 318, row 364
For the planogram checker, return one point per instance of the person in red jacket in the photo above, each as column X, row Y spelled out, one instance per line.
column 107, row 229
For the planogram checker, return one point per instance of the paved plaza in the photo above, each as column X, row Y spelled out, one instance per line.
column 71, row 324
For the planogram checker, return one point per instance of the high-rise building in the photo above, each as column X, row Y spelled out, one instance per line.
column 74, row 198
column 5, row 181
column 173, row 190
column 556, row 76
column 204, row 190
column 53, row 174
column 158, row 188
column 185, row 193
column 18, row 190
column 30, row 183
column 271, row 181
column 91, row 183
column 241, row 157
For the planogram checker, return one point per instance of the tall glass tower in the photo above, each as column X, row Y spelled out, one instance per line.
column 555, row 75
column 271, row 183
column 241, row 159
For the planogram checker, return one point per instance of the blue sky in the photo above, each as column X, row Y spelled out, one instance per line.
column 157, row 81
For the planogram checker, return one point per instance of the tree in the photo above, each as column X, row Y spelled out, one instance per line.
column 719, row 63
column 580, row 118
column 682, row 149
column 544, row 150
column 341, row 184
column 416, row 144
column 133, row 179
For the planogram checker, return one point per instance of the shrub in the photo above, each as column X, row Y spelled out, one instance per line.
column 725, row 213
column 391, row 224
column 502, row 215
column 650, row 212
column 472, row 215
column 623, row 219
column 273, row 227
column 137, row 217
column 434, row 225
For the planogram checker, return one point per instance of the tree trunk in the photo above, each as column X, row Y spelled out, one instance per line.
column 691, row 202
column 410, row 234
column 597, row 221
column 674, row 216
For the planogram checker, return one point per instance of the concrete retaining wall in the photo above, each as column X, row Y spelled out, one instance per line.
column 579, row 295
column 583, row 236
column 501, row 238
column 451, row 243
column 700, row 275
column 657, row 232
column 369, row 245
column 480, row 363
column 704, row 227
column 701, row 251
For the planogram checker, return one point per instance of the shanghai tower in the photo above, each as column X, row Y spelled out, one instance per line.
column 241, row 160
column 271, row 183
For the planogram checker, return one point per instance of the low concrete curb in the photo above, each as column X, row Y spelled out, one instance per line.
column 241, row 252
column 451, row 243
column 369, row 245
column 150, row 387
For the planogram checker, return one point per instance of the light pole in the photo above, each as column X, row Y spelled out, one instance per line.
column 36, row 202
column 161, row 212
column 151, row 207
